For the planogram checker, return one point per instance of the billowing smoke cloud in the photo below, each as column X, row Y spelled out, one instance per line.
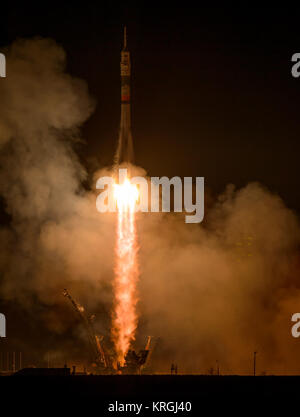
column 56, row 236
column 215, row 291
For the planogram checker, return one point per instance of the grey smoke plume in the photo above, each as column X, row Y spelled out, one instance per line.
column 56, row 236
column 215, row 291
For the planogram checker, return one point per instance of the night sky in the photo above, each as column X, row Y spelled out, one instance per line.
column 212, row 90
column 212, row 94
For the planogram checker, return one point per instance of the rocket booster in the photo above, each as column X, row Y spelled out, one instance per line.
column 125, row 72
column 125, row 145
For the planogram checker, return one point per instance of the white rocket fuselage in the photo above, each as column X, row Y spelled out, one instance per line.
column 125, row 145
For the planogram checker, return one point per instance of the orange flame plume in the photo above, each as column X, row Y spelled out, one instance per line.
column 124, row 321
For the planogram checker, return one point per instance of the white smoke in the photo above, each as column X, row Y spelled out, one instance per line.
column 217, row 290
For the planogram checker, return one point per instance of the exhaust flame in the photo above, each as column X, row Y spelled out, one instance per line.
column 126, row 270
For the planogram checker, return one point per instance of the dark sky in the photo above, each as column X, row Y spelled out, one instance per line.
column 213, row 93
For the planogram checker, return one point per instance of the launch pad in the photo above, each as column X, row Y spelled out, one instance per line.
column 103, row 359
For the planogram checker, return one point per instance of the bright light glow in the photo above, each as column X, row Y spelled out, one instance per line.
column 126, row 195
column 124, row 321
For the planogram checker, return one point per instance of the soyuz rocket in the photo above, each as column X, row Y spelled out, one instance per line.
column 124, row 152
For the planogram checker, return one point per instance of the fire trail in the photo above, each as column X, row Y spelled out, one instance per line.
column 122, row 358
column 126, row 270
column 124, row 318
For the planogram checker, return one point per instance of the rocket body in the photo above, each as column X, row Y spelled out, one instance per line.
column 125, row 144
